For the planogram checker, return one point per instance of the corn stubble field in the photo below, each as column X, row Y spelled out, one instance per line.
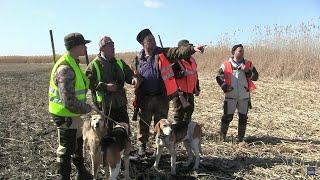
column 283, row 134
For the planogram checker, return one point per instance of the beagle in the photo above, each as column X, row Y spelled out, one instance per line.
column 114, row 145
column 93, row 130
column 169, row 135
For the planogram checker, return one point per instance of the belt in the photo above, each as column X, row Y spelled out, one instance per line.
column 152, row 94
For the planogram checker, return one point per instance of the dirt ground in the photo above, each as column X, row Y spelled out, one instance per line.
column 283, row 134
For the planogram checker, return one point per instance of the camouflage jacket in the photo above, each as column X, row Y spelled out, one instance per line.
column 65, row 80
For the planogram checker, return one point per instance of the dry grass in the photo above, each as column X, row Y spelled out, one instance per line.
column 283, row 52
column 49, row 59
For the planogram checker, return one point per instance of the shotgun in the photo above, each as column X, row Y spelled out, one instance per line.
column 136, row 102
column 87, row 58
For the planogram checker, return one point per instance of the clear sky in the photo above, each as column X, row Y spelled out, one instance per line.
column 25, row 24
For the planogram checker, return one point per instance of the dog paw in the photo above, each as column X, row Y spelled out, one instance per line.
column 186, row 164
column 155, row 168
column 173, row 173
column 194, row 168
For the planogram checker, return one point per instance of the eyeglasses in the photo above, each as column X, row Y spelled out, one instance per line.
column 109, row 44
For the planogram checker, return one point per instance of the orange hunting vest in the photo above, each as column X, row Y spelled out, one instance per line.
column 167, row 75
column 228, row 74
column 188, row 83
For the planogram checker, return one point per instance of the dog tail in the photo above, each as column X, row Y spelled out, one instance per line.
column 106, row 142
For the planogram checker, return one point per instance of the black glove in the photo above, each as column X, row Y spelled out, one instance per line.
column 226, row 88
column 61, row 120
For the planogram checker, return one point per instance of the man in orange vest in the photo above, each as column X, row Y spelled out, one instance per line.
column 235, row 78
column 185, row 71
column 153, row 66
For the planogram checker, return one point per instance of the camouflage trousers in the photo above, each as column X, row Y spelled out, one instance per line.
column 180, row 113
column 70, row 143
column 155, row 107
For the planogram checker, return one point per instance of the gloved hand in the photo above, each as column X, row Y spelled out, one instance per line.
column 248, row 73
column 112, row 87
column 109, row 87
column 197, row 92
column 226, row 88
column 136, row 82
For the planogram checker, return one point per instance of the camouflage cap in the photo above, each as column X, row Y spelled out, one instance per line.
column 104, row 41
column 74, row 39
column 184, row 42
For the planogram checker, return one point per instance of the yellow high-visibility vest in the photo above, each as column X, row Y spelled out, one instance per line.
column 56, row 106
column 99, row 95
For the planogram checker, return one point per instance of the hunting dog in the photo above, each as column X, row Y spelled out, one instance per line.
column 169, row 135
column 93, row 131
column 114, row 145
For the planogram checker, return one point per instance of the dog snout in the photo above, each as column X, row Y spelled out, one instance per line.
column 167, row 130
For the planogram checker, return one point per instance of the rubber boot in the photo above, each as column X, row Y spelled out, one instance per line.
column 225, row 121
column 78, row 161
column 64, row 169
column 64, row 151
column 242, row 126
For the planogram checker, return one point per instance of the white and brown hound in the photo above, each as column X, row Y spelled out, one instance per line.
column 169, row 135
column 93, row 131
column 114, row 145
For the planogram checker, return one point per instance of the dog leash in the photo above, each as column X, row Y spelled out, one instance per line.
column 109, row 118
column 103, row 115
column 109, row 112
column 145, row 122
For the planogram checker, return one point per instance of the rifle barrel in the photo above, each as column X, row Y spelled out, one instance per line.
column 160, row 41
column 87, row 58
column 52, row 46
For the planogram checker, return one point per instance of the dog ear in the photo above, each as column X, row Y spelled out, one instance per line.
column 157, row 128
column 124, row 125
column 170, row 121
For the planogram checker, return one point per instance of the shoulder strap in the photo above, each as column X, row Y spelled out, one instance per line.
column 156, row 63
column 248, row 63
column 227, row 66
